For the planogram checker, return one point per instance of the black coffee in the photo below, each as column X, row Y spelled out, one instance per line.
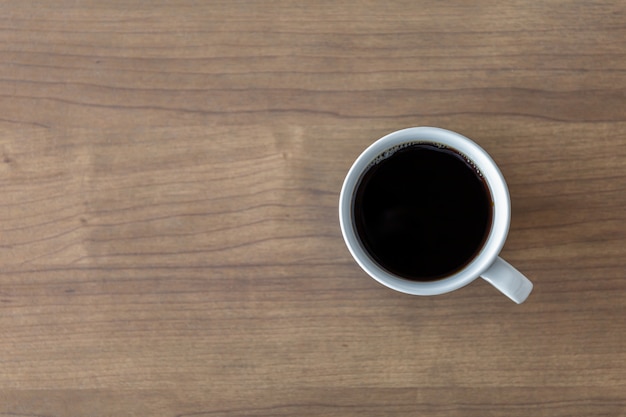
column 422, row 211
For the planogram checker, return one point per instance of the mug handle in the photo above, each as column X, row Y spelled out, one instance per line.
column 508, row 280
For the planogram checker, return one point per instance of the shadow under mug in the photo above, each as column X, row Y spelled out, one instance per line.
column 485, row 264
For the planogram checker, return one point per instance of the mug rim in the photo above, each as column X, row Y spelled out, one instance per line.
column 496, row 185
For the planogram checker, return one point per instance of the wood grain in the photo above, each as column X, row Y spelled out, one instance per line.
column 169, row 240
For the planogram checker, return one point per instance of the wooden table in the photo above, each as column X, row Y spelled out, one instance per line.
column 169, row 238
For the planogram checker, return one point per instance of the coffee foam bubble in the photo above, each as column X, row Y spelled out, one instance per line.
column 389, row 152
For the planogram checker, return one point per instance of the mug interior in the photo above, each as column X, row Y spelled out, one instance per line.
column 500, row 216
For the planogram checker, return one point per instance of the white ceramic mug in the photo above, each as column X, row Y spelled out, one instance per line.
column 486, row 264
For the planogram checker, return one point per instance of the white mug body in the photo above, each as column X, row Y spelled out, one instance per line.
column 487, row 256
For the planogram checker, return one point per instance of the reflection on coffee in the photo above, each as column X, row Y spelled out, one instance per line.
column 422, row 211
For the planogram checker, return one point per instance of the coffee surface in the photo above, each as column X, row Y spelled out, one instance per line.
column 422, row 211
